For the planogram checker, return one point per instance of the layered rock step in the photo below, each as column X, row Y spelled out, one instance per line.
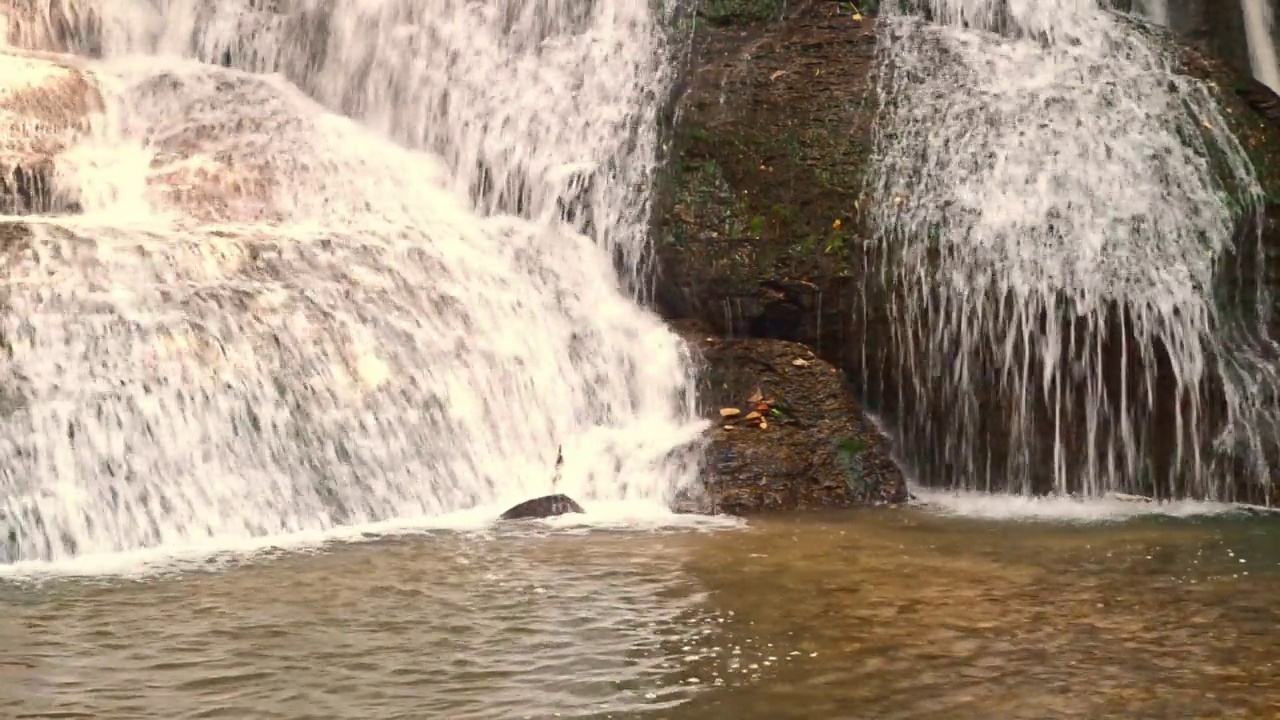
column 45, row 107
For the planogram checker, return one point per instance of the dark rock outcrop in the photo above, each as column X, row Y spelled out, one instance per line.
column 757, row 221
column 543, row 507
column 788, row 434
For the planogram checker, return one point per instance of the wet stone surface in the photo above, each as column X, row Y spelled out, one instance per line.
column 788, row 434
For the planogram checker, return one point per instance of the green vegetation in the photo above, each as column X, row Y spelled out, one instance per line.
column 850, row 454
column 736, row 12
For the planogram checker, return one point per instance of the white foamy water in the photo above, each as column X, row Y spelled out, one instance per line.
column 478, row 523
column 1067, row 509
column 274, row 319
column 1057, row 205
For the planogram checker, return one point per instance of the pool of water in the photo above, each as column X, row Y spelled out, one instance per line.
column 903, row 613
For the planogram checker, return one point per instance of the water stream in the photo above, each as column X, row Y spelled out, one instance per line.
column 339, row 263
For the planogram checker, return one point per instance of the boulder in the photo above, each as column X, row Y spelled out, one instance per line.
column 543, row 507
column 45, row 106
column 787, row 432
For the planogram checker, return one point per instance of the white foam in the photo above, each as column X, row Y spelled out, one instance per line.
column 1069, row 509
column 479, row 522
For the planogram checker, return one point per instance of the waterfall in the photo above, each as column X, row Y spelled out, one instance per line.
column 1064, row 220
column 1262, row 47
column 1156, row 10
column 339, row 262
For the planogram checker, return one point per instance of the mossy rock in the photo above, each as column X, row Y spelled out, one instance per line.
column 758, row 229
column 816, row 447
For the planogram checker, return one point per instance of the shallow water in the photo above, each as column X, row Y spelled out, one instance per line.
column 883, row 614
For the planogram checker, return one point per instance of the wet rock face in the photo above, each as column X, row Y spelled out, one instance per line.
column 788, row 434
column 1216, row 25
column 757, row 227
column 45, row 107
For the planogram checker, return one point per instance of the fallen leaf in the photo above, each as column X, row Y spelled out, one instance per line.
column 752, row 416
column 756, row 396
column 728, row 427
column 762, row 407
column 776, row 74
column 730, row 412
column 764, row 425
column 836, row 225
column 798, row 362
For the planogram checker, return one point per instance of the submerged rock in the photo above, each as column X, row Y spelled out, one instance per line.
column 543, row 507
column 806, row 442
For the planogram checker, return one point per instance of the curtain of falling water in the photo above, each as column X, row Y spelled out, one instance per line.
column 1057, row 208
column 1260, row 34
column 273, row 318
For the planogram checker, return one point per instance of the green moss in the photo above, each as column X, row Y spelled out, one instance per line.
column 772, row 153
column 737, row 12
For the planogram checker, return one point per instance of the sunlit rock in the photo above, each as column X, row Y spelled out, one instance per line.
column 211, row 170
column 45, row 106
column 256, row 165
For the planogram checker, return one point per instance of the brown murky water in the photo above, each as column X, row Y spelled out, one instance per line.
column 893, row 614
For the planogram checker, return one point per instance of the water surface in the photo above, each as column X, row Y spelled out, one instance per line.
column 884, row 614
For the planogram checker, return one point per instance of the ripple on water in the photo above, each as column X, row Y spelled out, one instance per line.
column 897, row 614
column 510, row 624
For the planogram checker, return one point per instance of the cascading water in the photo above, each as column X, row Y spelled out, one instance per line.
column 1060, row 213
column 1156, row 10
column 271, row 318
column 1258, row 26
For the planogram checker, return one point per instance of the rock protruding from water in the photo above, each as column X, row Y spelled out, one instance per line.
column 44, row 108
column 799, row 440
column 543, row 507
